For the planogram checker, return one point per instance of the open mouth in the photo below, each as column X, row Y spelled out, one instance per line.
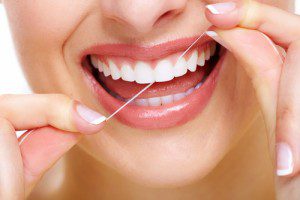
column 181, row 90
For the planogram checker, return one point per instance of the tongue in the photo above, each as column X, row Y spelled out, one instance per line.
column 177, row 85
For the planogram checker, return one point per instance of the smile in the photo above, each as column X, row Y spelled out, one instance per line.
column 182, row 87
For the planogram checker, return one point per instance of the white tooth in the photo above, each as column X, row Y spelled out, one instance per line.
column 115, row 72
column 100, row 66
column 207, row 52
column 155, row 101
column 143, row 73
column 94, row 61
column 127, row 73
column 198, row 85
column 178, row 96
column 189, row 91
column 212, row 48
column 142, row 102
column 201, row 59
column 180, row 68
column 167, row 99
column 106, row 70
column 192, row 62
column 164, row 71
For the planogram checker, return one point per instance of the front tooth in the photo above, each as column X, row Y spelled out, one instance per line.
column 164, row 71
column 179, row 96
column 127, row 73
column 180, row 68
column 213, row 48
column 201, row 59
column 142, row 102
column 115, row 72
column 207, row 52
column 167, row 99
column 106, row 70
column 94, row 61
column 192, row 62
column 155, row 101
column 143, row 73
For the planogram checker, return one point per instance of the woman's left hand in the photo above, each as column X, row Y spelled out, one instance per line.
column 266, row 42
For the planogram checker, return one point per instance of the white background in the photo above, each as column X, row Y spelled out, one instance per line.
column 11, row 78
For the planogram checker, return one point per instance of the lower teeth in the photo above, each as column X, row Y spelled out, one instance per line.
column 159, row 101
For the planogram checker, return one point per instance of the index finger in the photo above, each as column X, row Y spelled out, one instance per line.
column 281, row 26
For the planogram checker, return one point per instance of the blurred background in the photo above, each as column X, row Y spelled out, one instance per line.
column 11, row 77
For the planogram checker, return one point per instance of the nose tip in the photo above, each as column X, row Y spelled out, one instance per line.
column 143, row 15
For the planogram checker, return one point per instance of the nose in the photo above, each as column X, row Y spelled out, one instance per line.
column 143, row 15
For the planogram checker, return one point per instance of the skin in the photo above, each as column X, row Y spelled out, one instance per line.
column 196, row 159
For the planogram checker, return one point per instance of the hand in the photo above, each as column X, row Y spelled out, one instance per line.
column 54, row 122
column 249, row 30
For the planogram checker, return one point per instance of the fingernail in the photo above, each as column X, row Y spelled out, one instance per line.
column 89, row 115
column 285, row 163
column 214, row 35
column 221, row 8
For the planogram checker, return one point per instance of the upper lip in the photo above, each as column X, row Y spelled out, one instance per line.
column 144, row 52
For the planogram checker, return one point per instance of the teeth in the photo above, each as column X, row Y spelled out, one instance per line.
column 201, row 59
column 142, row 102
column 143, row 73
column 155, row 101
column 192, row 62
column 190, row 91
column 207, row 52
column 115, row 73
column 164, row 71
column 164, row 100
column 179, row 96
column 94, row 61
column 167, row 99
column 127, row 73
column 180, row 68
column 106, row 70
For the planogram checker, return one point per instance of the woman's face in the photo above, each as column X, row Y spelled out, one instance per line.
column 173, row 134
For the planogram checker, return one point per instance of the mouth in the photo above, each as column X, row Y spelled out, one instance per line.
column 182, row 87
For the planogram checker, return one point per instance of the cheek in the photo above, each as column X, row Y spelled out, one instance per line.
column 46, row 21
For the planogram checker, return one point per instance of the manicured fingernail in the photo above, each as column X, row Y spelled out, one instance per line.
column 214, row 35
column 89, row 115
column 221, row 8
column 285, row 163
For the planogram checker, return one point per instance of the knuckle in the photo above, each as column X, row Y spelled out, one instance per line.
column 6, row 126
column 287, row 118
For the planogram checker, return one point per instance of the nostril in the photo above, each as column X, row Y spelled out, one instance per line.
column 167, row 15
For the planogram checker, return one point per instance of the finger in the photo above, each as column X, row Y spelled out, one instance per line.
column 31, row 111
column 262, row 62
column 288, row 115
column 281, row 26
column 11, row 166
column 41, row 149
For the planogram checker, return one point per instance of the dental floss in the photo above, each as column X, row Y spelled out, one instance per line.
column 148, row 86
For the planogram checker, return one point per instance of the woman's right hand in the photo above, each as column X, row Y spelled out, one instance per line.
column 55, row 123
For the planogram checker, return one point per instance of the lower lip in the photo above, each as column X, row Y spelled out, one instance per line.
column 149, row 118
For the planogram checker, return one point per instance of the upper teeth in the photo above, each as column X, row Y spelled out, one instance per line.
column 143, row 73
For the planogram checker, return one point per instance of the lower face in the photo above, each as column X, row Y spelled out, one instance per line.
column 175, row 132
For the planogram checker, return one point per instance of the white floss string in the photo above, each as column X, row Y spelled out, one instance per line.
column 148, row 86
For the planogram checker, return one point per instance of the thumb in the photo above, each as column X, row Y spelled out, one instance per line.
column 262, row 62
column 41, row 149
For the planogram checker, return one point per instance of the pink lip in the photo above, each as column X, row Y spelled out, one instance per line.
column 144, row 53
